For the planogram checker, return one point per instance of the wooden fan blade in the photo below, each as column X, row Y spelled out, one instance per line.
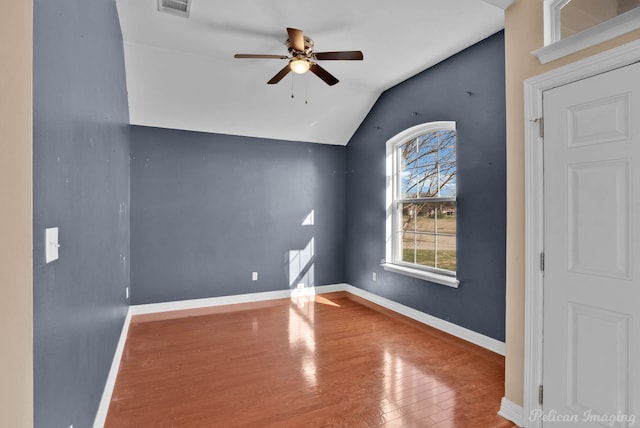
column 278, row 77
column 260, row 56
column 328, row 78
column 343, row 55
column 296, row 38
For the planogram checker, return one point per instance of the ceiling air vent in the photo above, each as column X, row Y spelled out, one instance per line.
column 175, row 7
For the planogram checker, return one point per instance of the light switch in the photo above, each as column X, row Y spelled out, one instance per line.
column 51, row 244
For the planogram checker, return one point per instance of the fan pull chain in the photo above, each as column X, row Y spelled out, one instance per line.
column 306, row 88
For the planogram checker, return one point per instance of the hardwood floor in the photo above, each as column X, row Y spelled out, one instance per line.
column 333, row 360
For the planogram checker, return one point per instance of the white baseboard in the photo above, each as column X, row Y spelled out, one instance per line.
column 511, row 411
column 103, row 408
column 440, row 324
column 231, row 300
column 453, row 329
column 446, row 326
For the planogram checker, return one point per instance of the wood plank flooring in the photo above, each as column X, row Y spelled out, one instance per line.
column 330, row 361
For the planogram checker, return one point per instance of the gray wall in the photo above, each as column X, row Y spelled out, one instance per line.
column 208, row 210
column 439, row 93
column 81, row 185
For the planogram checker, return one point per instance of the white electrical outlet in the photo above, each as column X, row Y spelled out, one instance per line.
column 254, row 276
column 127, row 292
column 374, row 276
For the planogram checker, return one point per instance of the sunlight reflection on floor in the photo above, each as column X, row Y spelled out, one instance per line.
column 302, row 339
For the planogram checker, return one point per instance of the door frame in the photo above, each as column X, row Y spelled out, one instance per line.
column 534, row 208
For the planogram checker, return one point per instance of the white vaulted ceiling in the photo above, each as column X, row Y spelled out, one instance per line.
column 181, row 72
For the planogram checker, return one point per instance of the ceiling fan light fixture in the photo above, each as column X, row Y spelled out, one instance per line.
column 299, row 66
column 303, row 58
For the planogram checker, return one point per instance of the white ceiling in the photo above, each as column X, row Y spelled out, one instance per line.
column 181, row 72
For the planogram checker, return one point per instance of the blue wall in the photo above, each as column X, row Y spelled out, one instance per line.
column 440, row 93
column 81, row 185
column 207, row 210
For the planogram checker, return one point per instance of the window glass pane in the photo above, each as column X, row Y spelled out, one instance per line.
column 428, row 164
column 408, row 216
column 408, row 247
column 409, row 154
column 425, row 217
column 578, row 15
column 409, row 171
column 446, row 252
column 425, row 249
column 447, row 163
column 446, row 221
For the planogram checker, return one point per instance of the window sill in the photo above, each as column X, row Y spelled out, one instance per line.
column 421, row 274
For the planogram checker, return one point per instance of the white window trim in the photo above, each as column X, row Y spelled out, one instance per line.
column 556, row 48
column 391, row 189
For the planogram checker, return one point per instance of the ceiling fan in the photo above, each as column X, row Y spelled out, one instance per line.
column 302, row 58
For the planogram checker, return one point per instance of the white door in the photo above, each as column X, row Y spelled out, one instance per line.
column 591, row 350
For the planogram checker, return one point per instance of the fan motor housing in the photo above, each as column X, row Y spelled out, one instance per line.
column 308, row 47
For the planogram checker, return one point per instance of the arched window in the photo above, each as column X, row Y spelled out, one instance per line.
column 421, row 203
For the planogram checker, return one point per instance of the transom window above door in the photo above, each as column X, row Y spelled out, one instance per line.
column 578, row 15
column 574, row 25
column 421, row 203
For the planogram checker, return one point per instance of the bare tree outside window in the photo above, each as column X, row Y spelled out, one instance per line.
column 427, row 180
